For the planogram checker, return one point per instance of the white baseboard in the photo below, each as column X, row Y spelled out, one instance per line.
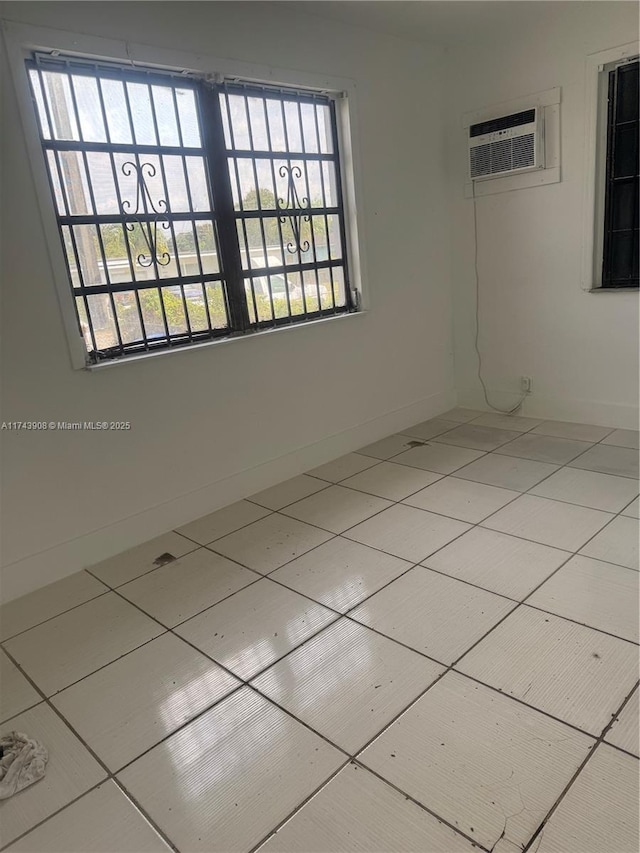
column 45, row 567
column 618, row 415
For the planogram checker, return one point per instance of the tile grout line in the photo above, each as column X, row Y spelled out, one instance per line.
column 444, row 821
column 55, row 616
column 279, row 826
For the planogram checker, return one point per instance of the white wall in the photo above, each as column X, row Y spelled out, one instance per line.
column 208, row 423
column 580, row 348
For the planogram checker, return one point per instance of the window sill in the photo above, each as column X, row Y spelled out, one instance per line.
column 131, row 359
column 613, row 289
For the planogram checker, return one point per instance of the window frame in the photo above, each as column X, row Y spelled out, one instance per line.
column 23, row 40
column 598, row 67
column 607, row 179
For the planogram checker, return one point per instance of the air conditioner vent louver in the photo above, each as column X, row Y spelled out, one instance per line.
column 480, row 160
column 506, row 144
column 524, row 151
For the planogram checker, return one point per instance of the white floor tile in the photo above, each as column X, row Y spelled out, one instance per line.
column 71, row 770
column 341, row 573
column 566, row 429
column 356, row 812
column 405, row 532
column 460, row 415
column 488, row 765
column 223, row 782
column 461, row 499
column 577, row 674
column 77, row 643
column 347, row 682
column 48, row 601
column 429, row 429
column 391, row 481
column 179, row 590
column 16, row 694
column 217, row 524
column 257, row 626
column 440, row 458
column 102, row 821
column 607, row 459
column 500, row 563
column 477, row 437
column 625, row 731
column 434, row 614
column 288, row 492
column 514, row 422
column 599, row 811
column 545, row 448
column 271, row 542
column 588, row 488
column 552, row 523
column 618, row 543
column 336, row 508
column 507, row 472
column 130, row 705
column 633, row 510
column 623, row 438
column 597, row 594
column 343, row 467
column 387, row 447
column 142, row 559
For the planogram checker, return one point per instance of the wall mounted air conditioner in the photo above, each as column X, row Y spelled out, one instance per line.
column 507, row 145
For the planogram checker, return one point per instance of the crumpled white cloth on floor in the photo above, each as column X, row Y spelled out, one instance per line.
column 23, row 762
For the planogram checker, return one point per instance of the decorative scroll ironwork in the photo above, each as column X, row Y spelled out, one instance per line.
column 293, row 203
column 148, row 229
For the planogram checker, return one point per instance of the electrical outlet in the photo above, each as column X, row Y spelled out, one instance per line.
column 526, row 383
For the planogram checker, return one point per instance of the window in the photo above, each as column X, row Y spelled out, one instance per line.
column 621, row 178
column 190, row 210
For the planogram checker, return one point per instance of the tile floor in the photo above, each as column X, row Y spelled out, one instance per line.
column 430, row 645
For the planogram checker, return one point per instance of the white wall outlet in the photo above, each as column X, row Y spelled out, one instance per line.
column 526, row 383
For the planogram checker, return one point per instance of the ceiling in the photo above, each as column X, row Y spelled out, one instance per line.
column 450, row 22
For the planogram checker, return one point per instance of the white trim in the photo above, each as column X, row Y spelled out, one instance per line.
column 595, row 62
column 549, row 102
column 16, row 55
column 22, row 39
column 54, row 563
column 538, row 99
column 562, row 408
column 253, row 336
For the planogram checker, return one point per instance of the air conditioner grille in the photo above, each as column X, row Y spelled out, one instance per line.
column 480, row 160
column 504, row 155
column 501, row 156
column 524, row 154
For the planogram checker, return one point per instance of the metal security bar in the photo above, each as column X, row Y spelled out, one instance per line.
column 282, row 153
column 621, row 233
column 190, row 210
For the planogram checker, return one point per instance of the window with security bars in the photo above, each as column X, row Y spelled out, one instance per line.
column 622, row 181
column 190, row 210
